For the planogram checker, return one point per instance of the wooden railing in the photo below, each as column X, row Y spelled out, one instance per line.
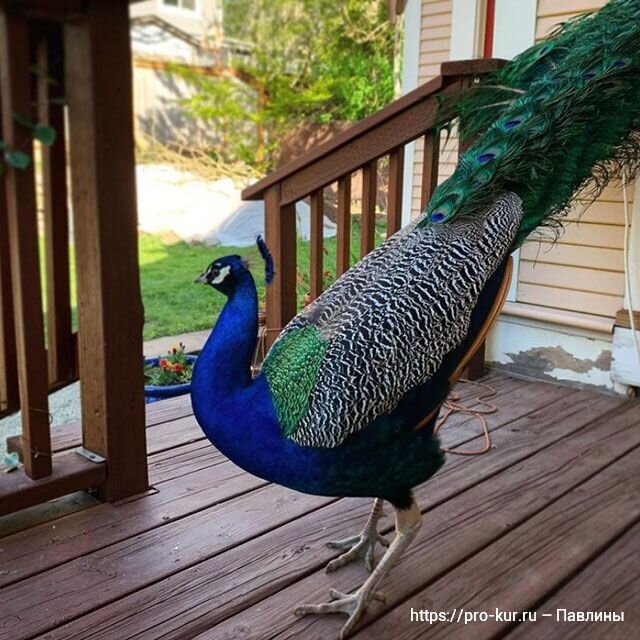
column 70, row 55
column 417, row 114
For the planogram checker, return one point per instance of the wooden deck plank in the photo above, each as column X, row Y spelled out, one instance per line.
column 181, row 461
column 193, row 601
column 160, row 437
column 451, row 531
column 32, row 552
column 95, row 579
column 606, row 584
column 157, row 413
column 69, row 436
column 71, row 472
column 515, row 572
column 145, row 593
column 168, row 410
column 42, row 547
column 197, row 598
column 173, row 434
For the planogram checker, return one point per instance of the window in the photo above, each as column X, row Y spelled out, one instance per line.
column 189, row 5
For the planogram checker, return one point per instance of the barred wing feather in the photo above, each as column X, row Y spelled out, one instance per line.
column 385, row 326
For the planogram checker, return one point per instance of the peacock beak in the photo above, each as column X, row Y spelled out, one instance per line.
column 202, row 278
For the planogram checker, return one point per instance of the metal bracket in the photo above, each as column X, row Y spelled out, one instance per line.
column 89, row 455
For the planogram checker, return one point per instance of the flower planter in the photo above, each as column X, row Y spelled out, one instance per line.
column 153, row 393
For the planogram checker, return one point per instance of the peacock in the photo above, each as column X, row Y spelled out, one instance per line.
column 347, row 398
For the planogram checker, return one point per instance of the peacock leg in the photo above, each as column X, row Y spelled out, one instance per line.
column 354, row 604
column 360, row 545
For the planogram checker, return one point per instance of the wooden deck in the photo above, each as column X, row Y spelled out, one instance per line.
column 548, row 519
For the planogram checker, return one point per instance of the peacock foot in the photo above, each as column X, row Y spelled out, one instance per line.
column 362, row 545
column 353, row 604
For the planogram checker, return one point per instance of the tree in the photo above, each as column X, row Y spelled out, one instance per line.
column 312, row 61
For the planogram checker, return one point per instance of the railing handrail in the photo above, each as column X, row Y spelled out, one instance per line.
column 449, row 73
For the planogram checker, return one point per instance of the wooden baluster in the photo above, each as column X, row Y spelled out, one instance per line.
column 23, row 240
column 110, row 314
column 368, row 218
column 9, row 395
column 343, row 240
column 280, row 236
column 317, row 231
column 394, row 198
column 60, row 351
column 430, row 165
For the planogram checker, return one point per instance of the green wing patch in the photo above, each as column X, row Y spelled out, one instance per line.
column 291, row 369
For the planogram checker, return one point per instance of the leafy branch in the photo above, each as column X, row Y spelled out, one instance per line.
column 18, row 158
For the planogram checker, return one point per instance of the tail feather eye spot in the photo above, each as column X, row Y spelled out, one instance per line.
column 483, row 158
column 438, row 216
column 513, row 123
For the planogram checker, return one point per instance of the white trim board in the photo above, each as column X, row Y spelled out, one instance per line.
column 410, row 68
column 467, row 29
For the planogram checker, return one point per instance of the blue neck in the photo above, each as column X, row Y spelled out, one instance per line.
column 224, row 365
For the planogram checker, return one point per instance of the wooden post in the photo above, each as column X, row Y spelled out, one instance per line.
column 110, row 314
column 60, row 347
column 280, row 235
column 430, row 164
column 394, row 198
column 9, row 396
column 343, row 241
column 23, row 242
column 317, row 232
column 368, row 218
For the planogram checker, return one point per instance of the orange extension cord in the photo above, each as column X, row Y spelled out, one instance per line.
column 452, row 405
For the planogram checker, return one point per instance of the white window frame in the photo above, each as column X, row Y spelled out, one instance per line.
column 180, row 9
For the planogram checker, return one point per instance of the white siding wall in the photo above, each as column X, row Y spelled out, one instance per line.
column 435, row 43
column 583, row 271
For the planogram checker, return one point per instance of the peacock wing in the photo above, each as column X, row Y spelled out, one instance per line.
column 385, row 327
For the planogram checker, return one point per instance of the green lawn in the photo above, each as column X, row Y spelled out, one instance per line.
column 174, row 305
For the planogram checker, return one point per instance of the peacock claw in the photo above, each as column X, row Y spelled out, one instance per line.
column 362, row 545
column 353, row 604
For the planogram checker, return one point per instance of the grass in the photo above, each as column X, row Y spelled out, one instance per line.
column 174, row 305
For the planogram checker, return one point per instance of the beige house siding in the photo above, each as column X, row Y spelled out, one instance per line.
column 435, row 41
column 194, row 22
column 583, row 271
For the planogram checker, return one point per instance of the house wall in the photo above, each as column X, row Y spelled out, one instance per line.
column 434, row 49
column 559, row 320
column 583, row 272
column 194, row 22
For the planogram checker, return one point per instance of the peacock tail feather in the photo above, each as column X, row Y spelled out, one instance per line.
column 562, row 118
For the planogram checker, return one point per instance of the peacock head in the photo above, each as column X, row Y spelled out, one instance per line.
column 224, row 274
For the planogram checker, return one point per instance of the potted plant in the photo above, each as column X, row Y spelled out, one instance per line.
column 168, row 376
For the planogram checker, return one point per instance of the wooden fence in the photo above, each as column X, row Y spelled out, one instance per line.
column 359, row 148
column 73, row 56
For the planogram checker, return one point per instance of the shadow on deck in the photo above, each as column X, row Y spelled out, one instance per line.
column 548, row 519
